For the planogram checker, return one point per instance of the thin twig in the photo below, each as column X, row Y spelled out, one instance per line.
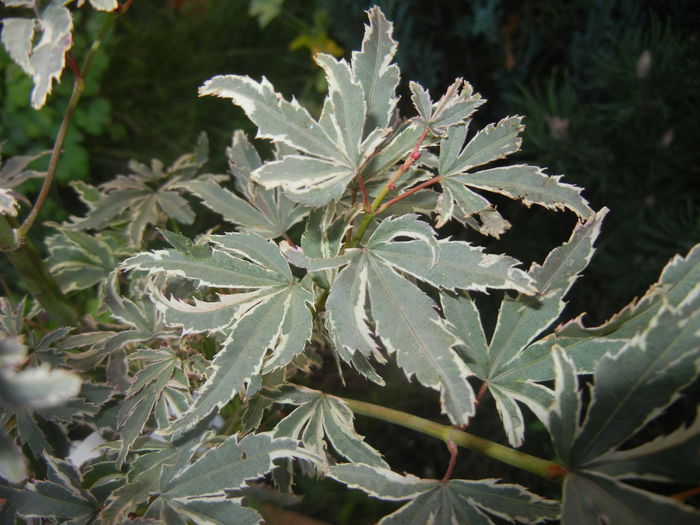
column 482, row 392
column 373, row 210
column 454, row 451
column 407, row 193
column 78, row 89
column 410, row 160
column 365, row 199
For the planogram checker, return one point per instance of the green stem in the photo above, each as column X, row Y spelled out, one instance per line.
column 541, row 467
column 78, row 89
column 357, row 236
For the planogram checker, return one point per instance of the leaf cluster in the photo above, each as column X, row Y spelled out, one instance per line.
column 331, row 254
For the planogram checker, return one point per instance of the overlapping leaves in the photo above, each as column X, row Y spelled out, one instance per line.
column 332, row 149
column 439, row 502
column 269, row 311
column 643, row 379
column 319, row 420
column 268, row 213
column 508, row 362
column 147, row 196
column 185, row 488
column 404, row 318
column 159, row 387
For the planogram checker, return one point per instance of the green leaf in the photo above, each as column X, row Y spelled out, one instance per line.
column 455, row 501
column 146, row 390
column 143, row 197
column 463, row 315
column 387, row 156
column 78, row 260
column 44, row 499
column 562, row 419
column 264, row 328
column 14, row 172
column 320, row 419
column 215, row 511
column 348, row 107
column 276, row 118
column 530, row 185
column 536, row 362
column 404, row 318
column 456, row 196
column 271, row 215
column 372, row 67
column 592, row 499
column 671, row 458
column 643, row 378
column 495, row 141
column 219, row 269
column 459, row 265
column 59, row 496
column 308, row 180
column 229, row 465
column 239, row 360
column 520, row 321
column 155, row 464
column 31, row 434
column 677, row 279
column 408, row 325
column 454, row 107
column 347, row 319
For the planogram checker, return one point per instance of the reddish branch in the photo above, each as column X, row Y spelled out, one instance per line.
column 453, row 461
column 405, row 194
column 365, row 199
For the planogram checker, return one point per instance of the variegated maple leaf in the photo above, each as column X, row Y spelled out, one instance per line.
column 512, row 362
column 329, row 152
column 149, row 195
column 265, row 320
column 401, row 315
column 267, row 212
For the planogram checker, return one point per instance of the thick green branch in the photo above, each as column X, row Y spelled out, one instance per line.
column 541, row 467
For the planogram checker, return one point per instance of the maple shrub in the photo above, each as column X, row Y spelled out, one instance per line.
column 187, row 372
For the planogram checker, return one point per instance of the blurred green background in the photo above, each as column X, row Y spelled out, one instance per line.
column 610, row 90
